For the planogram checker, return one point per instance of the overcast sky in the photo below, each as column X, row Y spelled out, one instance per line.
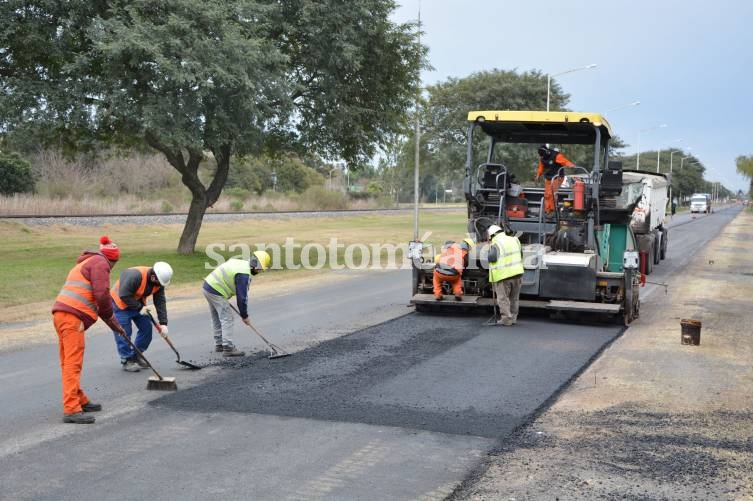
column 689, row 63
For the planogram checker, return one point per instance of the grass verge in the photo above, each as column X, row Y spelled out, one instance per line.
column 34, row 260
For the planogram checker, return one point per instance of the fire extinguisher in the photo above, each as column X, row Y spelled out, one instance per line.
column 579, row 195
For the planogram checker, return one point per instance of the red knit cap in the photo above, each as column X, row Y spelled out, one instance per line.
column 108, row 248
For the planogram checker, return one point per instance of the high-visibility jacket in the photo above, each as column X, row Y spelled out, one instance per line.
column 140, row 292
column 222, row 279
column 78, row 293
column 510, row 261
column 452, row 260
column 550, row 164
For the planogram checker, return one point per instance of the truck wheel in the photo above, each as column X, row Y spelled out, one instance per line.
column 664, row 243
column 658, row 241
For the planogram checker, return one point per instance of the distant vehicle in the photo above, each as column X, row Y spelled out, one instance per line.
column 700, row 203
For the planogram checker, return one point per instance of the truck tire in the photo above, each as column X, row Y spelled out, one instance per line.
column 664, row 243
column 657, row 246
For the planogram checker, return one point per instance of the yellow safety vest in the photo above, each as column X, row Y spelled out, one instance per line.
column 222, row 279
column 510, row 262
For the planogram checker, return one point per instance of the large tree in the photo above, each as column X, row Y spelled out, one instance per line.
column 202, row 80
column 745, row 168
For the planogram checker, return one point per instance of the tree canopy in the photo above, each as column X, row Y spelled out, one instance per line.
column 745, row 168
column 202, row 80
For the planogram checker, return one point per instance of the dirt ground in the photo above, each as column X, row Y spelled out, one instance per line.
column 652, row 418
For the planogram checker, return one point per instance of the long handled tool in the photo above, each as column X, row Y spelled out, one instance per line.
column 167, row 339
column 493, row 320
column 274, row 350
column 156, row 382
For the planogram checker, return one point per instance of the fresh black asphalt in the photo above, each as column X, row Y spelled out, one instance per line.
column 430, row 372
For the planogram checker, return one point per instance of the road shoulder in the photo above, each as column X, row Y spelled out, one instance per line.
column 652, row 418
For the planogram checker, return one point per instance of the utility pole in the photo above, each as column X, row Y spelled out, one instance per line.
column 418, row 143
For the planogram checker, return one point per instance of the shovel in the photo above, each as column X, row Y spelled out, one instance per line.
column 167, row 339
column 274, row 350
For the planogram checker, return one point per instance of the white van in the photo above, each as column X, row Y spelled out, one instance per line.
column 700, row 203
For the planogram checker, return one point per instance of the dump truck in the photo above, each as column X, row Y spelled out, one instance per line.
column 649, row 216
column 584, row 257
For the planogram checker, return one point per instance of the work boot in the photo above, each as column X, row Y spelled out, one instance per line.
column 90, row 407
column 142, row 363
column 130, row 365
column 78, row 418
column 504, row 321
column 438, row 298
column 458, row 297
column 232, row 351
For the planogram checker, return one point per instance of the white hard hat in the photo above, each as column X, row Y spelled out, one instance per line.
column 164, row 272
column 493, row 230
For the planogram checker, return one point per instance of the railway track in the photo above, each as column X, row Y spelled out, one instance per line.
column 172, row 217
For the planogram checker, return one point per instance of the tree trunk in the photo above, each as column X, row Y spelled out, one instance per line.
column 201, row 197
column 198, row 208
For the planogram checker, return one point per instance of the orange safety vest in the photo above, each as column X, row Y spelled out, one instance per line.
column 77, row 292
column 115, row 291
column 452, row 258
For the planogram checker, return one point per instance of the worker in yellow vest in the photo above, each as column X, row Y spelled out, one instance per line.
column 129, row 296
column 505, row 272
column 231, row 278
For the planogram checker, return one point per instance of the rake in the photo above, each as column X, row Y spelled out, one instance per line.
column 167, row 339
column 274, row 350
column 156, row 382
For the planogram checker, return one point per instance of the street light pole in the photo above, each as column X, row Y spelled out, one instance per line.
column 638, row 156
column 670, row 156
column 549, row 79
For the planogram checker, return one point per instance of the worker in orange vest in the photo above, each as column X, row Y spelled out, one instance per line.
column 129, row 296
column 449, row 268
column 85, row 296
column 550, row 162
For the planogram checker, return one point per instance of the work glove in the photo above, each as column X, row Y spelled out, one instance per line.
column 247, row 321
column 163, row 329
column 145, row 310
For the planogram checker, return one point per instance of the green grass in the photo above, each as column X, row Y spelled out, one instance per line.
column 34, row 260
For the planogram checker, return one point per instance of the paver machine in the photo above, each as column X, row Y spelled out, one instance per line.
column 582, row 257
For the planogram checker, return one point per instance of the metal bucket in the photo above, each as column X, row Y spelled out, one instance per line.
column 690, row 331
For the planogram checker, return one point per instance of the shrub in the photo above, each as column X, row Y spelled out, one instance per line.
column 15, row 174
column 236, row 205
column 166, row 206
column 320, row 198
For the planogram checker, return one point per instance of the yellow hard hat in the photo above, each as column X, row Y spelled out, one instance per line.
column 436, row 258
column 263, row 258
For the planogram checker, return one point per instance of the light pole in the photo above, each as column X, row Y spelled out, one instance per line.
column 671, row 153
column 549, row 79
column 274, row 181
column 330, row 177
column 658, row 152
column 634, row 103
column 638, row 156
column 682, row 160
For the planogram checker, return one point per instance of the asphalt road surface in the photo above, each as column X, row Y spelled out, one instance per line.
column 377, row 403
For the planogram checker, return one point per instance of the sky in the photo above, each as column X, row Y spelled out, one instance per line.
column 689, row 63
